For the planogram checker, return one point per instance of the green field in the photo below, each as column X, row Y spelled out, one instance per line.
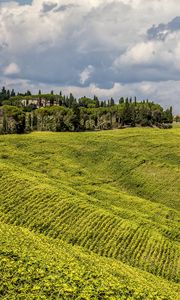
column 90, row 215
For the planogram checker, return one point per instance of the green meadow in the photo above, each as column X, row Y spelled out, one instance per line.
column 90, row 215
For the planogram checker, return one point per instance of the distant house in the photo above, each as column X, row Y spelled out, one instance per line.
column 177, row 118
column 38, row 102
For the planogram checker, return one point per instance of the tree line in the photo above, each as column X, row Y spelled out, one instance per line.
column 21, row 113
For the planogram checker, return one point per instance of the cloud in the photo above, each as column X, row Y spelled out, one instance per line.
column 161, row 31
column 11, row 69
column 86, row 74
column 95, row 43
column 48, row 6
column 65, row 7
column 152, row 59
column 138, row 54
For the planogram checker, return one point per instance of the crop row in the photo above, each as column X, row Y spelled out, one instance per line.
column 36, row 267
column 60, row 215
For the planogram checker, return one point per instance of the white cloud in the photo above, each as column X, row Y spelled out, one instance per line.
column 56, row 43
column 140, row 53
column 86, row 74
column 154, row 55
column 11, row 69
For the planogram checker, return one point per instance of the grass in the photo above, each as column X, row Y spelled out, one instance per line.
column 110, row 197
column 176, row 125
column 35, row 267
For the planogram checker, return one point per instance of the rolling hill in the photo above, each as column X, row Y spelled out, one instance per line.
column 90, row 215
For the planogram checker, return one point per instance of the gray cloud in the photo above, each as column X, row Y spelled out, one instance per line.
column 48, row 7
column 161, row 31
column 95, row 46
column 65, row 7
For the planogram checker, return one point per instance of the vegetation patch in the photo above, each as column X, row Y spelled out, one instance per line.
column 91, row 215
column 58, row 113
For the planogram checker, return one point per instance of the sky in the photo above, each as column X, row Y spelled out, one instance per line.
column 110, row 48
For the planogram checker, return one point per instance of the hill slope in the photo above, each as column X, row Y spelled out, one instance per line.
column 35, row 267
column 114, row 193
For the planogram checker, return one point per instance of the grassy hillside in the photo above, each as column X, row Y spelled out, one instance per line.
column 114, row 194
column 35, row 267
